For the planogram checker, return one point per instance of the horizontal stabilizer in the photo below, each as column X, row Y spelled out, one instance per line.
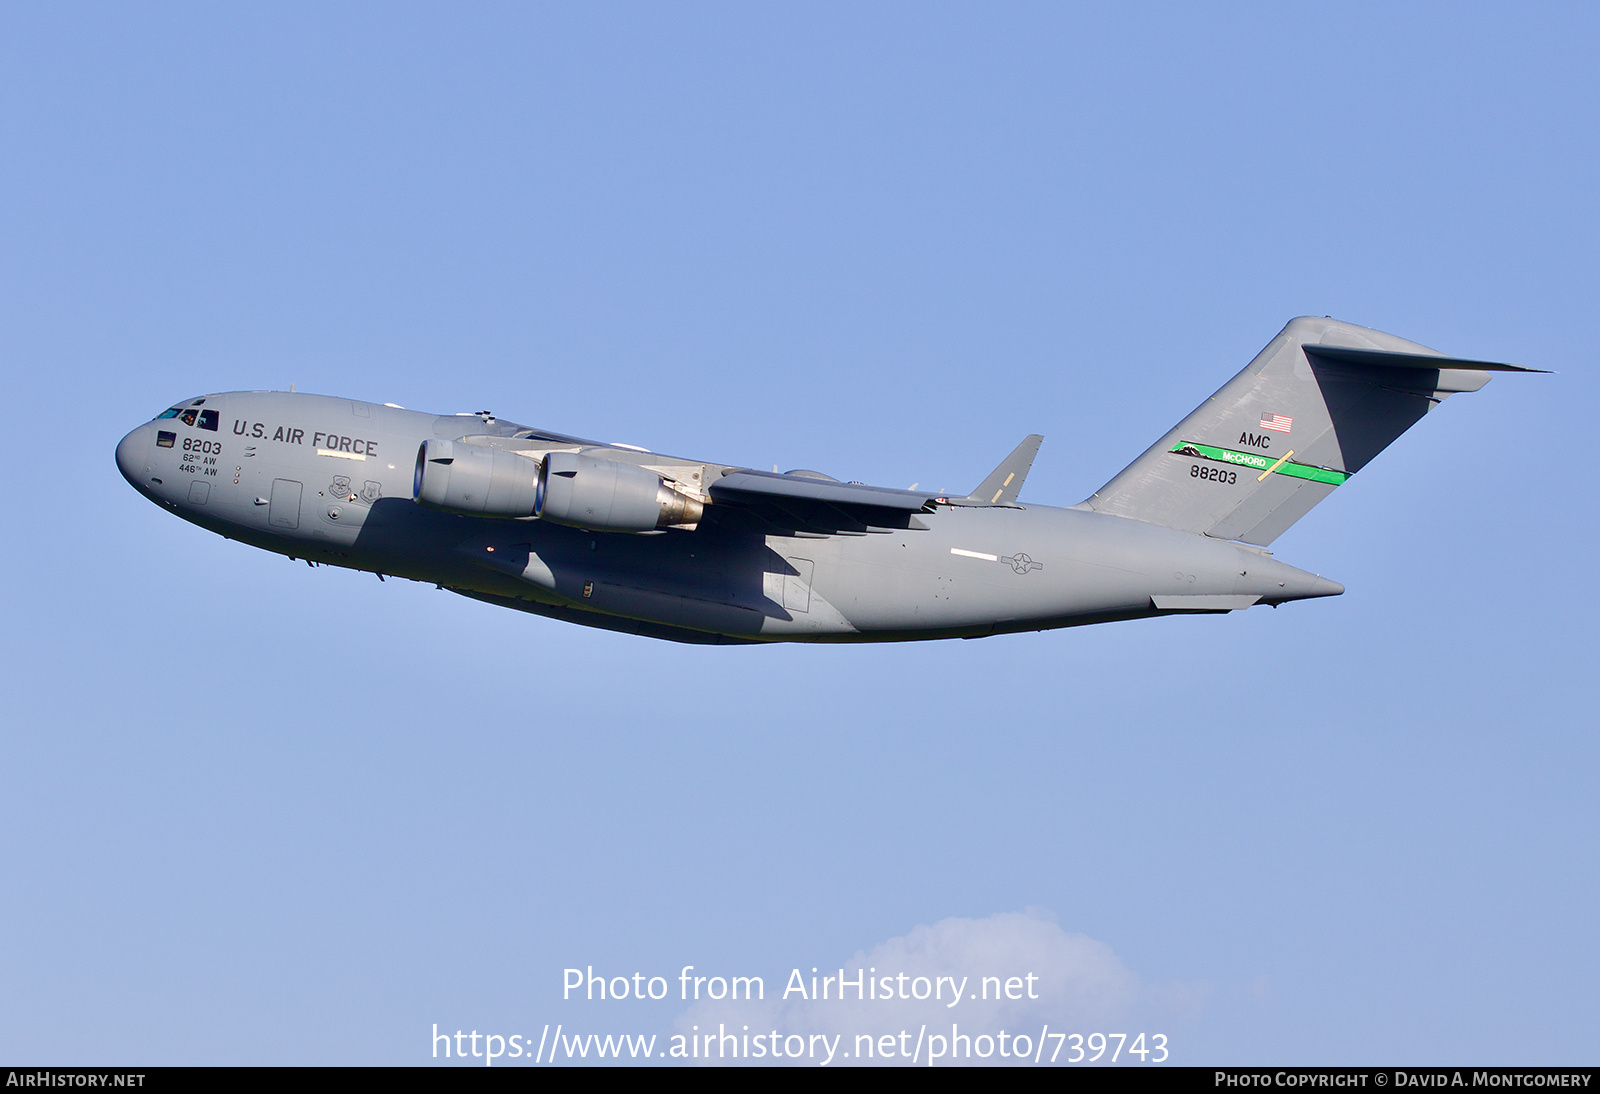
column 1353, row 356
column 1005, row 482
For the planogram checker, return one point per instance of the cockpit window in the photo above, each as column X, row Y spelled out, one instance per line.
column 206, row 419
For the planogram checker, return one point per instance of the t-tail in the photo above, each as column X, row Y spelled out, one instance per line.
column 1311, row 410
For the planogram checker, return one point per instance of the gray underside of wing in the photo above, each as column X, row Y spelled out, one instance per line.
column 801, row 503
column 764, row 485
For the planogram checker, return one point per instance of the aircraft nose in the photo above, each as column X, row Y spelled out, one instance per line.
column 131, row 455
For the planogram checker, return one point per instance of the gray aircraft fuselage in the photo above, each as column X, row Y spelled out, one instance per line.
column 331, row 481
column 616, row 537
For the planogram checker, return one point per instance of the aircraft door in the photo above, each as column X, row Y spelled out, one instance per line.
column 797, row 586
column 285, row 508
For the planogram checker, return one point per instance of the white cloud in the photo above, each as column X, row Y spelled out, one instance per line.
column 1018, row 973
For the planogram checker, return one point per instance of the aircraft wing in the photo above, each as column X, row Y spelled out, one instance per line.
column 763, row 485
column 767, row 501
column 1005, row 482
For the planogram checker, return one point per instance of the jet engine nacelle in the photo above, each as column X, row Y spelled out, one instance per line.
column 475, row 481
column 608, row 496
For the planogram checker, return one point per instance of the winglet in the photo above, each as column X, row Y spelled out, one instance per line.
column 1005, row 482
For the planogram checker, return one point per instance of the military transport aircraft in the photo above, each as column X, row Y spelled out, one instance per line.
column 613, row 536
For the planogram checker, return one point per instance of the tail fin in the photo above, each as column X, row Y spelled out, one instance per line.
column 1311, row 410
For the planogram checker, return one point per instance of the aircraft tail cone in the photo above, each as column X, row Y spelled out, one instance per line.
column 1299, row 585
column 1324, row 587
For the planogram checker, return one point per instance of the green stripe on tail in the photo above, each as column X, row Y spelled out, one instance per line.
column 1258, row 462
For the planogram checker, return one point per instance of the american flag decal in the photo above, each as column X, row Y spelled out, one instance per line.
column 1278, row 422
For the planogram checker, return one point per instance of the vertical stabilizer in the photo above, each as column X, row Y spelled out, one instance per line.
column 1311, row 410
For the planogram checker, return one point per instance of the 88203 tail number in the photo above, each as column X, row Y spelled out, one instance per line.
column 1213, row 474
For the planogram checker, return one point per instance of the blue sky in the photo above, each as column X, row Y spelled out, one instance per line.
column 257, row 813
